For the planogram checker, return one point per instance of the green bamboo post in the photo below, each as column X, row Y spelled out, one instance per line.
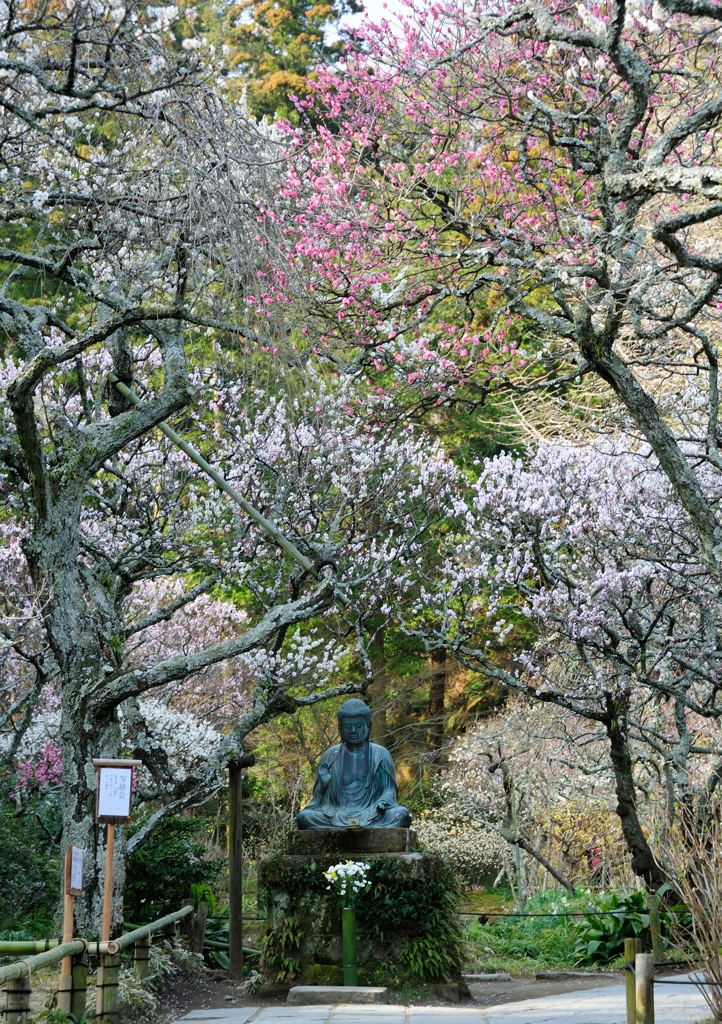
column 79, row 991
column 18, row 1000
column 631, row 948
column 65, row 990
column 348, row 929
column 107, row 996
column 141, row 956
column 655, row 927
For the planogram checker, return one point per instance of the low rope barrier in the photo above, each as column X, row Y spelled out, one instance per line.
column 565, row 913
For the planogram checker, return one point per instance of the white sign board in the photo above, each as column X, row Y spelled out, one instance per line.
column 114, row 788
column 76, row 868
column 74, row 871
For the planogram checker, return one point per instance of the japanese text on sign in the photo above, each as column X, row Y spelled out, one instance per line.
column 114, row 792
column 76, row 868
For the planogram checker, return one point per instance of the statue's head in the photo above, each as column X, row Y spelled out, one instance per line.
column 354, row 722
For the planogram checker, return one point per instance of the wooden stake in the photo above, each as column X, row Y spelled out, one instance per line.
column 142, row 956
column 235, row 864
column 108, row 884
column 655, row 927
column 199, row 928
column 631, row 948
column 65, row 982
column 79, row 993
column 644, row 969
column 18, row 1001
column 106, row 976
column 106, row 1000
column 235, row 871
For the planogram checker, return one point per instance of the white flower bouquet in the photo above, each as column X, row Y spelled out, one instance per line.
column 348, row 880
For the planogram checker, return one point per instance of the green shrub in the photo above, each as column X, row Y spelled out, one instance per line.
column 395, row 905
column 602, row 938
column 29, row 866
column 161, row 874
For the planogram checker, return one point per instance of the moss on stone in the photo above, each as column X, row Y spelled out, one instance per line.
column 320, row 974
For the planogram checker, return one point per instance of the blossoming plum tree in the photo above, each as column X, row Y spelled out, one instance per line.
column 503, row 188
column 592, row 544
column 518, row 197
column 129, row 193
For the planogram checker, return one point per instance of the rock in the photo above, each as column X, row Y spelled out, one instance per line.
column 305, row 923
column 496, row 976
column 447, row 991
column 323, row 995
column 346, row 841
column 409, row 865
column 321, row 974
column 561, row 975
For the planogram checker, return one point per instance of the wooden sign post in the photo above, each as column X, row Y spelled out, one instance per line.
column 112, row 807
column 73, row 887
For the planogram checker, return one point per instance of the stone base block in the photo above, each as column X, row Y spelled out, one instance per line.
column 397, row 924
column 346, row 841
column 409, row 865
column 323, row 995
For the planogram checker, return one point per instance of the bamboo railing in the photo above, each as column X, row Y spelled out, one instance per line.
column 16, row 978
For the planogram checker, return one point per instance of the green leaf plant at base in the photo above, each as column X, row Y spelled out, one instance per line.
column 558, row 942
column 279, row 948
column 602, row 938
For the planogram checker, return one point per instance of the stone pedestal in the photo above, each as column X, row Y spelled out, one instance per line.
column 351, row 843
column 407, row 925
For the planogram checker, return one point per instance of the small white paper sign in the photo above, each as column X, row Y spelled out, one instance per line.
column 76, row 868
column 114, row 792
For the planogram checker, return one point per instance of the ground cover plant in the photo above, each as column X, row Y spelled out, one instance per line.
column 526, row 945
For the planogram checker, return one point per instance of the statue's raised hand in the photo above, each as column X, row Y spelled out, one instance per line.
column 324, row 775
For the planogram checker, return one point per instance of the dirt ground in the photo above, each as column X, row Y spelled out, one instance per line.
column 184, row 997
column 493, row 993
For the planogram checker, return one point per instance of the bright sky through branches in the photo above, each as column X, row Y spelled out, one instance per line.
column 376, row 11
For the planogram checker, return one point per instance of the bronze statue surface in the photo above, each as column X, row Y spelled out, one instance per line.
column 356, row 781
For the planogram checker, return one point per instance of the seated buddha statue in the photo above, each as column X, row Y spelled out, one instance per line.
column 355, row 782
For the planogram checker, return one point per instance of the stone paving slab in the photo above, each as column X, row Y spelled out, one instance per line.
column 676, row 1004
column 673, row 1004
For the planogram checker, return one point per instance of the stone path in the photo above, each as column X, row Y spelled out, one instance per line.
column 674, row 1004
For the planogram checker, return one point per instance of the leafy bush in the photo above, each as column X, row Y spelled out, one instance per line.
column 160, row 875
column 602, row 938
column 29, row 866
column 556, row 942
column 281, row 948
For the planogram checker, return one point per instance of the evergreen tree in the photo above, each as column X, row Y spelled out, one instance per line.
column 276, row 44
